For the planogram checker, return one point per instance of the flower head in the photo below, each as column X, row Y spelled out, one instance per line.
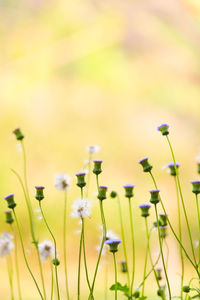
column 144, row 209
column 163, row 128
column 39, row 192
column 145, row 164
column 93, row 149
column 81, row 208
column 102, row 192
column 113, row 244
column 9, row 217
column 172, row 168
column 129, row 190
column 62, row 182
column 46, row 250
column 19, row 135
column 81, row 179
column 97, row 167
column 10, row 200
column 195, row 186
column 155, row 198
column 6, row 245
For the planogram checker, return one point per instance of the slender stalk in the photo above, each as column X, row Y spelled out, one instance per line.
column 24, row 254
column 133, row 245
column 79, row 265
column 167, row 247
column 65, row 244
column 123, row 240
column 182, row 201
column 106, row 280
column 171, row 227
column 115, row 265
column 89, row 173
column 162, row 256
column 16, row 264
column 55, row 247
column 145, row 263
column 198, row 214
column 180, row 237
column 10, row 275
column 52, row 280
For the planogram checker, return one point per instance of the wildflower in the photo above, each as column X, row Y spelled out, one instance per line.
column 109, row 235
column 171, row 167
column 39, row 193
column 46, row 249
column 113, row 194
column 93, row 149
column 154, row 196
column 19, row 135
column 158, row 274
column 81, row 208
column 81, row 179
column 129, row 190
column 163, row 219
column 62, row 182
column 144, row 209
column 97, row 167
column 145, row 164
column 123, row 266
column 195, row 186
column 9, row 217
column 6, row 245
column 186, row 289
column 163, row 128
column 10, row 201
column 113, row 244
column 163, row 231
column 102, row 192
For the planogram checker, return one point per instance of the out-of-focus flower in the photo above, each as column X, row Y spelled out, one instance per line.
column 145, row 164
column 195, row 186
column 19, row 135
column 46, row 250
column 6, row 245
column 129, row 190
column 39, row 192
column 62, row 182
column 113, row 244
column 164, row 129
column 81, row 179
column 109, row 235
column 93, row 149
column 172, row 169
column 81, row 208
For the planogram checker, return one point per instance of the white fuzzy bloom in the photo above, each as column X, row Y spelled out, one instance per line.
column 46, row 249
column 81, row 208
column 93, row 149
column 62, row 181
column 6, row 245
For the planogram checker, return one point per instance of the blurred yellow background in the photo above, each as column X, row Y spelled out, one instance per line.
column 78, row 73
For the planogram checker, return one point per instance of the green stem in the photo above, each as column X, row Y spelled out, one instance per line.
column 167, row 247
column 57, row 285
column 79, row 264
column 171, row 227
column 89, row 172
column 182, row 201
column 10, row 275
column 123, row 241
column 180, row 236
column 133, row 245
column 65, row 244
column 161, row 251
column 52, row 279
column 16, row 264
column 24, row 254
column 145, row 263
column 106, row 280
column 115, row 265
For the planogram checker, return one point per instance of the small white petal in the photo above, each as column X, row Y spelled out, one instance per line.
column 62, row 182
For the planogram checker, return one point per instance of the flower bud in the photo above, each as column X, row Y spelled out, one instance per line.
column 81, row 179
column 113, row 194
column 55, row 262
column 97, row 167
column 158, row 274
column 155, row 198
column 136, row 294
column 198, row 168
column 10, row 201
column 18, row 134
column 163, row 231
column 144, row 210
column 195, row 186
column 113, row 244
column 186, row 289
column 171, row 167
column 129, row 190
column 163, row 128
column 39, row 192
column 161, row 291
column 145, row 164
column 123, row 266
column 102, row 192
column 9, row 217
column 163, row 220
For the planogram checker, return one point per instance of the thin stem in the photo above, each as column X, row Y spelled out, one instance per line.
column 52, row 280
column 16, row 264
column 79, row 265
column 133, row 245
column 167, row 247
column 24, row 254
column 171, row 227
column 106, row 280
column 10, row 275
column 65, row 244
column 57, row 285
column 180, row 236
column 161, row 251
column 123, row 240
column 145, row 263
column 182, row 201
column 198, row 214
column 89, row 173
column 115, row 265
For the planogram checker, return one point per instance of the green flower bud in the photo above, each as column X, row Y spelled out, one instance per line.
column 81, row 179
column 55, row 262
column 97, row 167
column 163, row 220
column 129, row 190
column 10, row 201
column 113, row 194
column 18, row 134
column 198, row 168
column 144, row 210
column 163, row 231
column 145, row 164
column 9, row 217
column 123, row 266
column 136, row 294
column 39, row 193
column 113, row 244
column 186, row 289
column 155, row 198
column 102, row 192
column 164, row 129
column 158, row 274
column 161, row 291
column 171, row 167
column 195, row 186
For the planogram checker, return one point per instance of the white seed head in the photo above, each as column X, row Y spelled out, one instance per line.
column 93, row 149
column 6, row 245
column 81, row 208
column 46, row 249
column 62, row 182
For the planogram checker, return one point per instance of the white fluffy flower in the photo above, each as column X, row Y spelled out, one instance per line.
column 6, row 245
column 93, row 149
column 81, row 208
column 46, row 249
column 62, row 181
